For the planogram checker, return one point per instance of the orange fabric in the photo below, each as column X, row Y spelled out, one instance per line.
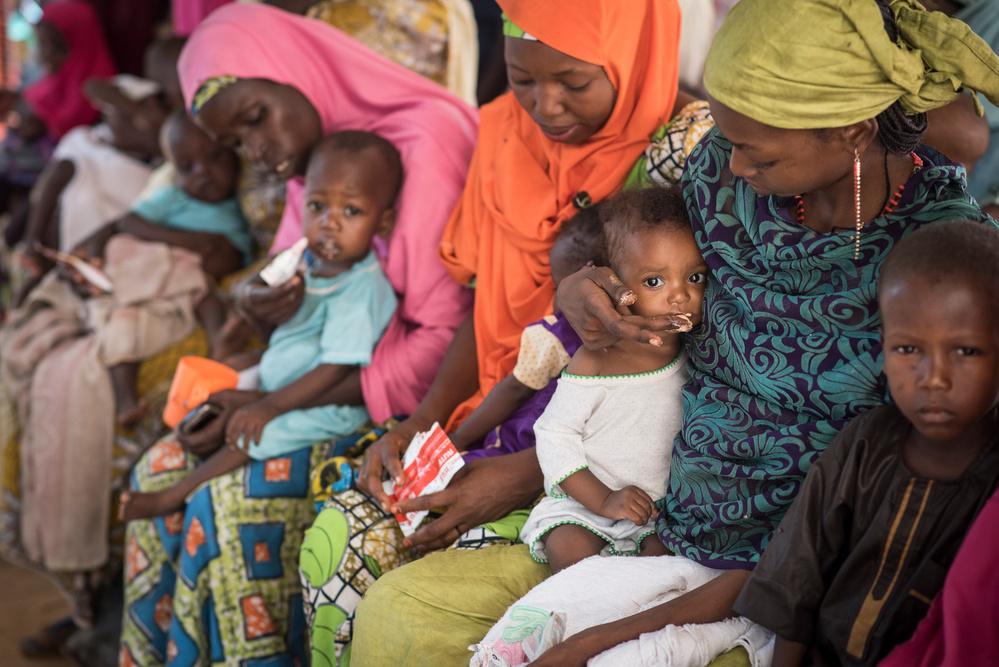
column 520, row 184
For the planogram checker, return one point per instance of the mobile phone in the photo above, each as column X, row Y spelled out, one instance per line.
column 199, row 417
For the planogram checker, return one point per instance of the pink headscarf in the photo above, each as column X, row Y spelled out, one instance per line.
column 58, row 97
column 353, row 87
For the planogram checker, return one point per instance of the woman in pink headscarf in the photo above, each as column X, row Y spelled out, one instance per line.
column 271, row 84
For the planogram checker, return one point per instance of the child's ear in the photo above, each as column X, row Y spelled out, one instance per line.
column 386, row 224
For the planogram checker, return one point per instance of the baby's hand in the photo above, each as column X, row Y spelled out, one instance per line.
column 629, row 503
column 246, row 426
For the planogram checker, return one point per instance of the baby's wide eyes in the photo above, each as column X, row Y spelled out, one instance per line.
column 351, row 211
column 314, row 206
column 697, row 278
column 653, row 282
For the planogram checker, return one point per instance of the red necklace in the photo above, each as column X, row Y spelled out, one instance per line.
column 890, row 205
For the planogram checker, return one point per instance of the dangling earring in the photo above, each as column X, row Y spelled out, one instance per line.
column 856, row 199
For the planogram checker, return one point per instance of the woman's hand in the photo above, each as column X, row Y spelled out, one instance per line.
column 484, row 490
column 267, row 304
column 90, row 251
column 386, row 455
column 588, row 299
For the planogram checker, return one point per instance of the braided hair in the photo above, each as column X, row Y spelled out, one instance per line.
column 899, row 131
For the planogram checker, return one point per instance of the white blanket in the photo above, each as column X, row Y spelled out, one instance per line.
column 600, row 590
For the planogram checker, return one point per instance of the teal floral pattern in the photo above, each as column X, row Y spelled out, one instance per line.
column 787, row 354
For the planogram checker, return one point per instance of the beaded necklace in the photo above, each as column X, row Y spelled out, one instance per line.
column 890, row 204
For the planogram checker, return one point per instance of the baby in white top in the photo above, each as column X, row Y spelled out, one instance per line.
column 604, row 442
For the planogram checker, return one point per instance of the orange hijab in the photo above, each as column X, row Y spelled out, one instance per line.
column 520, row 184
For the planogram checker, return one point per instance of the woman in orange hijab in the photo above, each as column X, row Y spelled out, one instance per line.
column 591, row 83
column 546, row 148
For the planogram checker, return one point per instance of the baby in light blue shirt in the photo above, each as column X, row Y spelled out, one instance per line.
column 350, row 188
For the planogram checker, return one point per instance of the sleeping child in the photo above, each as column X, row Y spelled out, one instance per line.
column 605, row 439
column 197, row 222
column 865, row 547
column 350, row 189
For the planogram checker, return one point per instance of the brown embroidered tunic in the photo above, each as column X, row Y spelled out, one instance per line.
column 863, row 550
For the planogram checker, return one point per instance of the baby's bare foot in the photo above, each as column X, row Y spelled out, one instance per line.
column 138, row 505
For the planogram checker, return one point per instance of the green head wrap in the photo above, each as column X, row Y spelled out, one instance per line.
column 805, row 64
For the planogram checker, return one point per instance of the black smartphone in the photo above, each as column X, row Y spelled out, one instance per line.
column 199, row 417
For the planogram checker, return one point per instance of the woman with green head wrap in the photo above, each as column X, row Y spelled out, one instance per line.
column 814, row 171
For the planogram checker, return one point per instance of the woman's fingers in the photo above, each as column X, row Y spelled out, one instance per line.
column 370, row 479
column 443, row 498
column 595, row 301
column 619, row 293
column 440, row 532
column 435, row 535
column 393, row 465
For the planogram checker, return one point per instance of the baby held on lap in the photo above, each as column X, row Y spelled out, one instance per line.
column 350, row 189
column 604, row 455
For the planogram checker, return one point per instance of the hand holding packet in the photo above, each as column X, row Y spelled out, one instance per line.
column 429, row 463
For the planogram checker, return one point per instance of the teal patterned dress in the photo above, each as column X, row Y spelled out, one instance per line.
column 788, row 352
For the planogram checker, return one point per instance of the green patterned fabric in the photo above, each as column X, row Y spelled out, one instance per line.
column 351, row 545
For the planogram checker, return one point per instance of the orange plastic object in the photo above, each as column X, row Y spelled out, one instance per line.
column 196, row 379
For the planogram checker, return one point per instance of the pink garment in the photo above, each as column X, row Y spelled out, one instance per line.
column 187, row 14
column 57, row 98
column 353, row 87
column 962, row 626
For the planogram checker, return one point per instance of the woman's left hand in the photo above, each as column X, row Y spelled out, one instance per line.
column 246, row 426
column 482, row 491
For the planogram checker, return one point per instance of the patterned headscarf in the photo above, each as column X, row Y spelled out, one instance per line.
column 209, row 89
